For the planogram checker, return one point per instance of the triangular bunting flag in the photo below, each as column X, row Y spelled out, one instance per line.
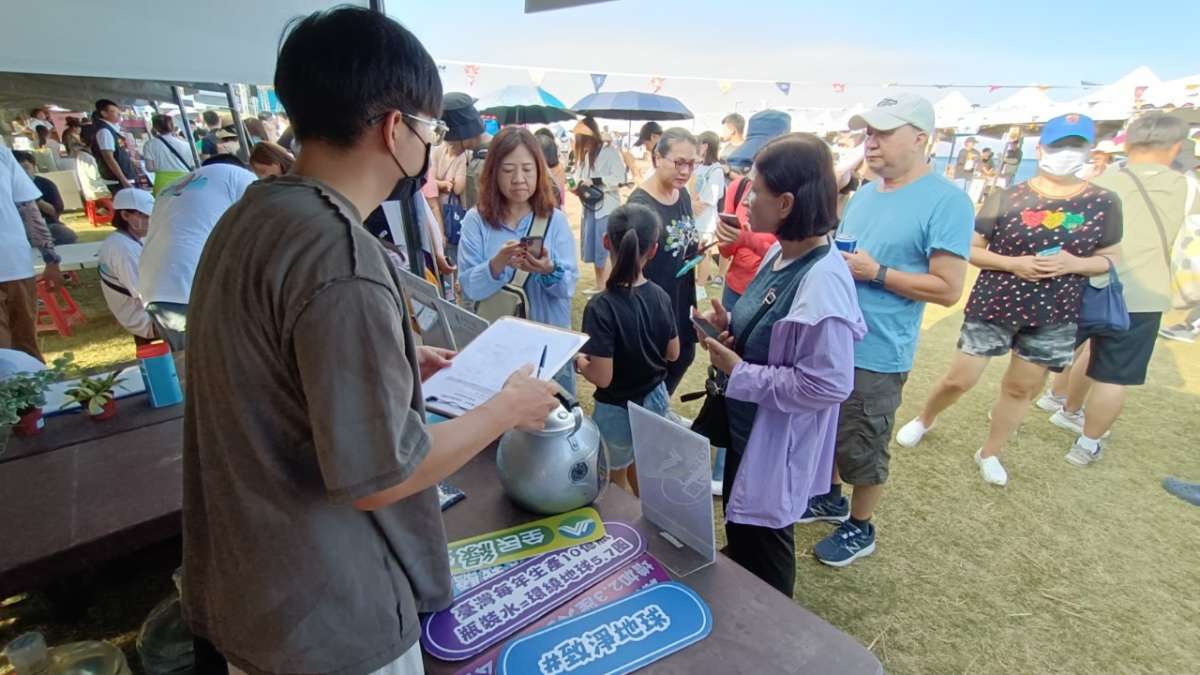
column 993, row 88
column 839, row 88
column 785, row 87
column 536, row 76
column 1138, row 92
column 598, row 81
column 726, row 86
column 471, row 71
column 656, row 83
column 1044, row 87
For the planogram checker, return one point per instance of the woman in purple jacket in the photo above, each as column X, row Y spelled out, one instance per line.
column 788, row 352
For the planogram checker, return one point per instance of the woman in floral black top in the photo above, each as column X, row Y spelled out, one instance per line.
column 1036, row 243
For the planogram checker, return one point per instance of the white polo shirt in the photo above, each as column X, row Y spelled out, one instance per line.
column 119, row 256
column 160, row 158
column 16, row 256
column 184, row 215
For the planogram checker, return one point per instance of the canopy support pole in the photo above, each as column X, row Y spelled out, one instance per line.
column 177, row 93
column 243, row 141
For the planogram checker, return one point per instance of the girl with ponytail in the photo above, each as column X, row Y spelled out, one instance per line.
column 633, row 337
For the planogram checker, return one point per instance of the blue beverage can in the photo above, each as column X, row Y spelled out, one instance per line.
column 846, row 243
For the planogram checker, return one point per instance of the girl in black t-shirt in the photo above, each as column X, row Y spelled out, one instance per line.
column 633, row 337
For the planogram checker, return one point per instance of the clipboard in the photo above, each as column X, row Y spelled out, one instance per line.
column 479, row 371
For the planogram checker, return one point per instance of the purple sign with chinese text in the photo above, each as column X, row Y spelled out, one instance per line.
column 643, row 572
column 499, row 607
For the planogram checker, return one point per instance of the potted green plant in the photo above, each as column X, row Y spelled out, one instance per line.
column 22, row 396
column 96, row 395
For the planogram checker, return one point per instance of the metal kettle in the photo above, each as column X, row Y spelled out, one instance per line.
column 556, row 469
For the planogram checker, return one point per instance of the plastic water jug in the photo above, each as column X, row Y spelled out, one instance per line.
column 158, row 373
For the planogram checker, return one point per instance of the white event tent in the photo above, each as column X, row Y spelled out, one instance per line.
column 1117, row 101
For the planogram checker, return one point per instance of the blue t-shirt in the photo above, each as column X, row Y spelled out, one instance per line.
column 903, row 229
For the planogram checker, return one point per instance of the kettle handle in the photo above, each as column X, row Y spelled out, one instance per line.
column 571, row 403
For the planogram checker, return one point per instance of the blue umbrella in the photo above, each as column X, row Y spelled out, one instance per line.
column 524, row 104
column 632, row 105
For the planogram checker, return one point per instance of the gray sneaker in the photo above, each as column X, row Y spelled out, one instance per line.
column 1081, row 456
column 1071, row 421
column 1180, row 332
column 1188, row 492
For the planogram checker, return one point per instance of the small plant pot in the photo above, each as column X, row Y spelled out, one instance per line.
column 31, row 423
column 109, row 411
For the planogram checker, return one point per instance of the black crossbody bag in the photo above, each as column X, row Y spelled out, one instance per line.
column 712, row 421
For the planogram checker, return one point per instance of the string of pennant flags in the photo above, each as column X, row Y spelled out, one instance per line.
column 537, row 74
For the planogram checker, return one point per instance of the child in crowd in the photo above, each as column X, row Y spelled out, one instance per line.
column 633, row 337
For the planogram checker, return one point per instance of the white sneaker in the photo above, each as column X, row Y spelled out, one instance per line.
column 1051, row 403
column 1081, row 456
column 1071, row 421
column 911, row 434
column 991, row 469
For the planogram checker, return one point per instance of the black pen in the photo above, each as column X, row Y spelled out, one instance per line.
column 542, row 362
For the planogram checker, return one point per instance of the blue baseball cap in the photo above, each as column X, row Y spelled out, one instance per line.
column 762, row 127
column 1071, row 124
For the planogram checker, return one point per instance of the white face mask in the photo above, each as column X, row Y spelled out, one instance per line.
column 1063, row 161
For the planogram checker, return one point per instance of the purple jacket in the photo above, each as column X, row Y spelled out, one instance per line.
column 810, row 371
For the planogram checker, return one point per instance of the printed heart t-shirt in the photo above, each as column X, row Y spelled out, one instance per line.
column 1020, row 221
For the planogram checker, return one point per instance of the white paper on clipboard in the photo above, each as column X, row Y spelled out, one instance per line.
column 479, row 372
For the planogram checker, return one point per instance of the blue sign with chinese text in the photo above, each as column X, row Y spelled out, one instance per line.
column 618, row 638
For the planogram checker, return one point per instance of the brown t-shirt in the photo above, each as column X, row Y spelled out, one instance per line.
column 301, row 398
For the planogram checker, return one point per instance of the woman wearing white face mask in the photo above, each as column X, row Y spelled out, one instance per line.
column 1036, row 243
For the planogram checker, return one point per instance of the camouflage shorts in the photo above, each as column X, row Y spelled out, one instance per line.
column 1051, row 347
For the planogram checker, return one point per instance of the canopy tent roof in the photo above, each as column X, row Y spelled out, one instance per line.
column 950, row 109
column 225, row 41
column 1118, row 100
column 1030, row 104
column 1181, row 92
column 32, row 90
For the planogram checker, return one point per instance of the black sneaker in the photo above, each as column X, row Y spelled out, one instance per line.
column 826, row 509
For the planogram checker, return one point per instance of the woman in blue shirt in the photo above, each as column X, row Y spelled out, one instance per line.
column 514, row 187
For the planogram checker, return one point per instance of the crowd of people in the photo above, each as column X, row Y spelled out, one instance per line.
column 826, row 254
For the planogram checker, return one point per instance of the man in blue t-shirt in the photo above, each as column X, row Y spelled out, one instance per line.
column 913, row 230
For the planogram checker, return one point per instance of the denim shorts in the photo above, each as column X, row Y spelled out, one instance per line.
column 613, row 422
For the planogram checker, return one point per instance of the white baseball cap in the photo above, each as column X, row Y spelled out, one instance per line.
column 894, row 112
column 133, row 199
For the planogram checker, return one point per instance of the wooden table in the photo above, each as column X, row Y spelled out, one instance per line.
column 75, row 497
column 756, row 628
column 82, row 493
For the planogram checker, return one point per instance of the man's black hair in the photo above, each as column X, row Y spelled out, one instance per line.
column 342, row 68
column 104, row 103
column 212, row 118
column 224, row 158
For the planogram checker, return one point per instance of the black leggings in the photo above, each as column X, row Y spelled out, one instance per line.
column 679, row 367
column 767, row 553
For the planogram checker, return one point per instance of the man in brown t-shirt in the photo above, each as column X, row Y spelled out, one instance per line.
column 312, row 533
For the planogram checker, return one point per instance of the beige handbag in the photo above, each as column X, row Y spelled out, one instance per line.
column 511, row 299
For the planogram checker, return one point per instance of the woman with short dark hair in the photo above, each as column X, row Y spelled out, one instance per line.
column 666, row 193
column 787, row 357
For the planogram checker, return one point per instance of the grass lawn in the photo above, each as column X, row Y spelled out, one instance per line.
column 1066, row 570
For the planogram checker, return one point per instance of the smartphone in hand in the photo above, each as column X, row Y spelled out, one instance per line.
column 532, row 245
column 705, row 327
column 730, row 219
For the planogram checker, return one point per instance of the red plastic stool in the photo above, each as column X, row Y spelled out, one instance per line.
column 99, row 211
column 53, row 316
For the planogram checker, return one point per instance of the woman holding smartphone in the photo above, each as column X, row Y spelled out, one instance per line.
column 515, row 226
column 787, row 351
column 1036, row 243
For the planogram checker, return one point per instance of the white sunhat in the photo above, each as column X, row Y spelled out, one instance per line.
column 894, row 112
column 133, row 199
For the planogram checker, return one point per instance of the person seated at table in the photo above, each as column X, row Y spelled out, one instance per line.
column 632, row 337
column 119, row 256
column 788, row 353
column 184, row 215
column 270, row 159
column 50, row 203
column 515, row 195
